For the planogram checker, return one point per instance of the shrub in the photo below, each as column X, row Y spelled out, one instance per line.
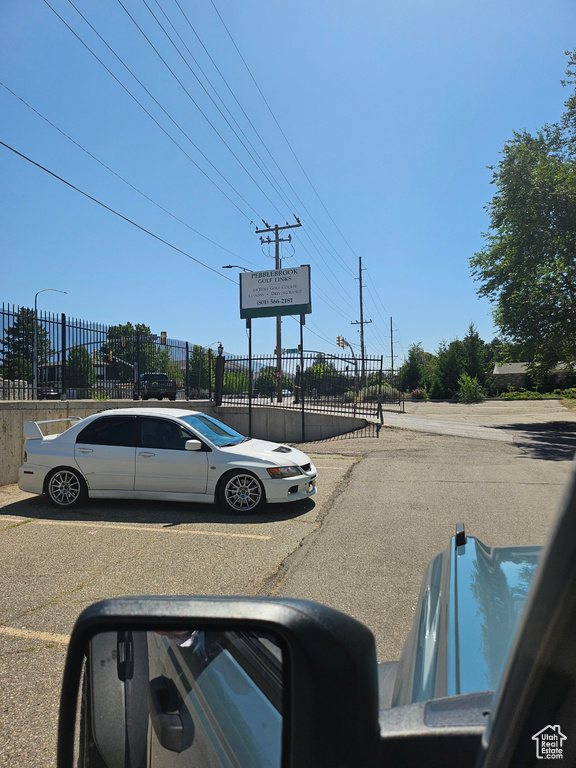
column 418, row 394
column 470, row 390
column 521, row 394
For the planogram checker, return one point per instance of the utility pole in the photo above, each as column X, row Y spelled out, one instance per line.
column 278, row 265
column 362, row 323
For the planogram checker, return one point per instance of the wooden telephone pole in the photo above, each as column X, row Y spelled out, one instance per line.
column 361, row 323
column 278, row 265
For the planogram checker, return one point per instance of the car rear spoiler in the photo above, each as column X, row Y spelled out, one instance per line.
column 32, row 430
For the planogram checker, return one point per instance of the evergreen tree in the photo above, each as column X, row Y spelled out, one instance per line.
column 18, row 347
column 80, row 373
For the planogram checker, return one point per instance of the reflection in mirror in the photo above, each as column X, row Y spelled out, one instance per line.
column 170, row 699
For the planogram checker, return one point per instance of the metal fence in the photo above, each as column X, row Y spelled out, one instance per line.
column 313, row 382
column 48, row 356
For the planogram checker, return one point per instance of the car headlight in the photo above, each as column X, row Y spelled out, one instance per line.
column 279, row 472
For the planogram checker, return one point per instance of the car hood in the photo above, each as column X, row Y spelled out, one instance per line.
column 471, row 600
column 268, row 452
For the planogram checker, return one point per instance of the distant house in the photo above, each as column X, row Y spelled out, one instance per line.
column 510, row 375
column 516, row 375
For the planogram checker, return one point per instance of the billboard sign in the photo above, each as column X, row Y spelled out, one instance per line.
column 274, row 292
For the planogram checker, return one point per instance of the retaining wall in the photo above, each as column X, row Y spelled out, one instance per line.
column 269, row 423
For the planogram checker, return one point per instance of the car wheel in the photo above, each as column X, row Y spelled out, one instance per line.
column 66, row 488
column 242, row 493
column 172, row 397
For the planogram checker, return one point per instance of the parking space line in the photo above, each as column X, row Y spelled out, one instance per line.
column 99, row 526
column 45, row 637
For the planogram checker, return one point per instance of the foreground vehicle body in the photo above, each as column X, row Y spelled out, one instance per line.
column 331, row 691
column 165, row 455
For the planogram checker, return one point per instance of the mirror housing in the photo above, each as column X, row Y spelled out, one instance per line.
column 193, row 445
column 330, row 683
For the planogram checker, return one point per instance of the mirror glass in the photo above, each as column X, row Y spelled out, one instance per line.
column 202, row 698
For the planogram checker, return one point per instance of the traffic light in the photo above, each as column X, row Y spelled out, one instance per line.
column 339, row 340
column 299, row 348
column 163, row 337
column 95, row 354
column 110, row 356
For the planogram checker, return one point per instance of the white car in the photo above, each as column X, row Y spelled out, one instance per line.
column 163, row 455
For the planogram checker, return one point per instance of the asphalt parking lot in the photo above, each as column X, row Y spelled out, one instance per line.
column 384, row 507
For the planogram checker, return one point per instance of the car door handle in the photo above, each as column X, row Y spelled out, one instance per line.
column 170, row 719
column 146, row 454
column 85, row 450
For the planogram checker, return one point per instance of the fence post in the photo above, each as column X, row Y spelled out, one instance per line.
column 219, row 377
column 209, row 373
column 137, row 366
column 64, row 344
column 187, row 387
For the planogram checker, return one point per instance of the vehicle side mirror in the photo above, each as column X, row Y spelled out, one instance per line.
column 193, row 445
column 291, row 681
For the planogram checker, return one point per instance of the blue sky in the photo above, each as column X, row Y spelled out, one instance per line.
column 374, row 123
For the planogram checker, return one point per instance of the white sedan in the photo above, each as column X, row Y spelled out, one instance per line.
column 163, row 455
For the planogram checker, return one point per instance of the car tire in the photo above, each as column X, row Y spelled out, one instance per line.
column 241, row 493
column 66, row 488
column 172, row 397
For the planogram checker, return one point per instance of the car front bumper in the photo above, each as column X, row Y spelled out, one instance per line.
column 290, row 489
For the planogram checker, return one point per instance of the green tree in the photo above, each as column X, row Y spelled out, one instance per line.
column 123, row 341
column 416, row 371
column 448, row 369
column 266, row 382
column 18, row 347
column 80, row 373
column 475, row 356
column 527, row 267
column 199, row 370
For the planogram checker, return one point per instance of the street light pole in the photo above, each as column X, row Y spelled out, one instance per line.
column 35, row 349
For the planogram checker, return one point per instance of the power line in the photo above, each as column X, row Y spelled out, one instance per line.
column 280, row 127
column 187, row 92
column 77, row 36
column 118, row 176
column 116, row 213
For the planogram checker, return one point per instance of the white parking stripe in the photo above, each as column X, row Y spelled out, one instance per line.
column 98, row 526
column 45, row 637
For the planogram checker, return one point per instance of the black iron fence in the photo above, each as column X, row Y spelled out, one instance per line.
column 313, row 381
column 47, row 356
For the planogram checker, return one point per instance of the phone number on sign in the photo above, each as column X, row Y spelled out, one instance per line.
column 264, row 302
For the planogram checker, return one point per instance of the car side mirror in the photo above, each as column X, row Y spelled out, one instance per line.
column 193, row 445
column 291, row 681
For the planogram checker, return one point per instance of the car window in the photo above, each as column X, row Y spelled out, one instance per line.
column 218, row 433
column 159, row 433
column 112, row 430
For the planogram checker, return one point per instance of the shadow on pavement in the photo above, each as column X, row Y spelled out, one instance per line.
column 552, row 441
column 168, row 514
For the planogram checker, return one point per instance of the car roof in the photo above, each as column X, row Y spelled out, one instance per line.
column 170, row 412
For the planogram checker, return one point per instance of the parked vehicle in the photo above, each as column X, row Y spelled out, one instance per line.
column 155, row 385
column 165, row 455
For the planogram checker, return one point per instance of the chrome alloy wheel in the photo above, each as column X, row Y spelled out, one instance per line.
column 243, row 492
column 66, row 488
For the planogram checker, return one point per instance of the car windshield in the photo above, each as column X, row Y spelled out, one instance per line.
column 219, row 434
